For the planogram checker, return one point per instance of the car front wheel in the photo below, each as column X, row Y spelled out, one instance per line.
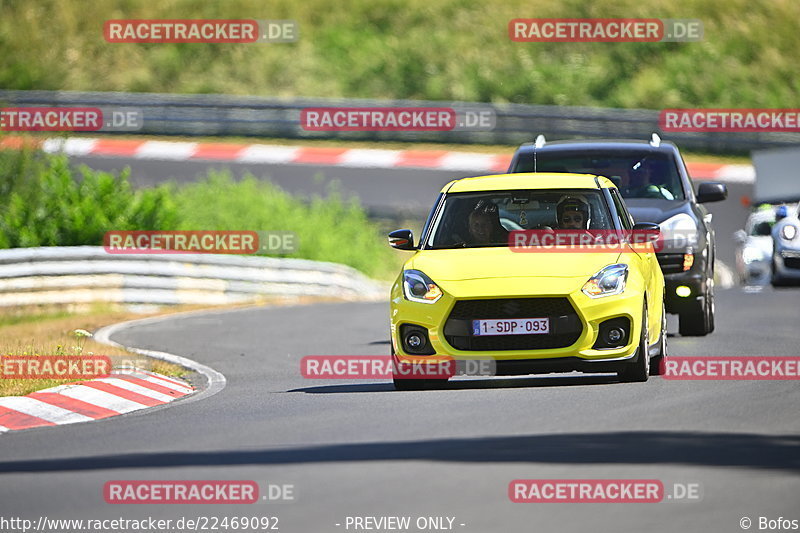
column 639, row 370
column 700, row 321
column 655, row 362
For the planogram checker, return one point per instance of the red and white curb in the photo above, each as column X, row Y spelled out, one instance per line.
column 304, row 155
column 122, row 392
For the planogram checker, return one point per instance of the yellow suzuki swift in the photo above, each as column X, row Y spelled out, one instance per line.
column 477, row 290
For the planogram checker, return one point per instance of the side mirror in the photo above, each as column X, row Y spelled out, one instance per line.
column 646, row 226
column 711, row 192
column 740, row 236
column 402, row 239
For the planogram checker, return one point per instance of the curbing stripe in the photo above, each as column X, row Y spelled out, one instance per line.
column 117, row 147
column 215, row 380
column 12, row 419
column 101, row 398
column 161, row 377
column 117, row 388
column 166, row 150
column 45, row 411
column 134, row 388
column 147, row 384
column 355, row 157
column 163, row 382
column 78, row 406
column 256, row 153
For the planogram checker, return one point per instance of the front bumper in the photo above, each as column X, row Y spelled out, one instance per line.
column 579, row 355
column 695, row 279
column 697, row 283
column 786, row 264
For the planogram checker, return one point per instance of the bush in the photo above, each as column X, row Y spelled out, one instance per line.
column 328, row 229
column 44, row 203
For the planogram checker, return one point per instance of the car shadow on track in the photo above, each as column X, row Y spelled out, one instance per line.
column 699, row 448
column 471, row 384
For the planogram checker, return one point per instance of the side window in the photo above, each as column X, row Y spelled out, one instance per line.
column 625, row 217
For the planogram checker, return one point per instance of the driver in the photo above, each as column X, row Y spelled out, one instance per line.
column 484, row 224
column 647, row 180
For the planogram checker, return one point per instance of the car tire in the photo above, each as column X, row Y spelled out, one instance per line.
column 639, row 370
column 403, row 384
column 712, row 309
column 775, row 280
column 699, row 322
column 656, row 361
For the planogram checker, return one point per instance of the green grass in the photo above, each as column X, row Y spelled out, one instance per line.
column 448, row 49
column 45, row 202
column 328, row 229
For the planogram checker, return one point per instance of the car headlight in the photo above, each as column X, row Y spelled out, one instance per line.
column 789, row 232
column 679, row 231
column 417, row 287
column 609, row 281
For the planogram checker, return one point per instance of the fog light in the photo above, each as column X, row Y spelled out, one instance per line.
column 615, row 335
column 415, row 341
column 683, row 291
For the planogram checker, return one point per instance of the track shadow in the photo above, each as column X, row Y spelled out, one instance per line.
column 471, row 384
column 715, row 449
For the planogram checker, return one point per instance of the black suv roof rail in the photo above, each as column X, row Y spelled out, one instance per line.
column 655, row 140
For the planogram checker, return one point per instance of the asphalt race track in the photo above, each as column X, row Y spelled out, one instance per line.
column 362, row 449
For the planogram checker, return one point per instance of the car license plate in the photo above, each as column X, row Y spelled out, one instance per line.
column 511, row 326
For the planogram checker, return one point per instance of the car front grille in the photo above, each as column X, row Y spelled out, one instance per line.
column 565, row 325
column 670, row 263
column 791, row 259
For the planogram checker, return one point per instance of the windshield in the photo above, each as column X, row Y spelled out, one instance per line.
column 643, row 175
column 761, row 227
column 481, row 219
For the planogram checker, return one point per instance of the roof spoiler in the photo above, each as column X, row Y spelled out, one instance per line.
column 655, row 140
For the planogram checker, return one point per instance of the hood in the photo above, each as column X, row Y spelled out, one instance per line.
column 500, row 262
column 654, row 210
column 761, row 242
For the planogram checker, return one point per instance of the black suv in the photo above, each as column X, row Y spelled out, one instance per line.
column 656, row 186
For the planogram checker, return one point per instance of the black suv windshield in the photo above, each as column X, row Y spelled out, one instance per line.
column 479, row 219
column 637, row 175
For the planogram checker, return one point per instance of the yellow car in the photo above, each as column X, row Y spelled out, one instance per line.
column 473, row 292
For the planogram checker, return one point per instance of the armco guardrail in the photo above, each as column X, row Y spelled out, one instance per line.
column 60, row 275
column 222, row 115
